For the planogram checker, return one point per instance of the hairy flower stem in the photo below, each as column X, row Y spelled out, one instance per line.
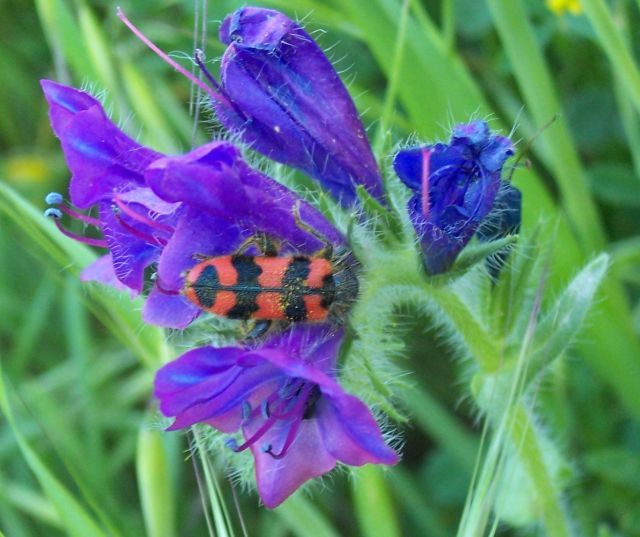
column 484, row 348
column 524, row 434
column 511, row 416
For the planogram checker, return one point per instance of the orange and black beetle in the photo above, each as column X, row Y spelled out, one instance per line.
column 271, row 287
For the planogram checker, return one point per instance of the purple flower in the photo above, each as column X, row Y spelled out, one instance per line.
column 455, row 187
column 156, row 209
column 294, row 416
column 107, row 170
column 281, row 94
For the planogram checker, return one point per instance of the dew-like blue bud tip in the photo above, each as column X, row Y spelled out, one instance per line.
column 52, row 212
column 53, row 198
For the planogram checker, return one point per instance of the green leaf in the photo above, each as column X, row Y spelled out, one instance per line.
column 478, row 252
column 562, row 322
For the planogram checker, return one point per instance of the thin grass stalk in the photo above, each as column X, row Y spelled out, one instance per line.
column 220, row 515
column 154, row 483
column 449, row 24
column 393, row 81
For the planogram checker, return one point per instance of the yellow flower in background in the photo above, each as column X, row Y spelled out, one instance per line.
column 26, row 168
column 560, row 7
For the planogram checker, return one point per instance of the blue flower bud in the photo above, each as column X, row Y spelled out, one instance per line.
column 455, row 187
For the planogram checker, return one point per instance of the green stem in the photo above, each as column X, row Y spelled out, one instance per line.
column 523, row 433
column 480, row 344
column 519, row 424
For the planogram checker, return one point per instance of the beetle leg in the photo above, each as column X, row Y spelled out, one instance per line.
column 265, row 244
column 326, row 251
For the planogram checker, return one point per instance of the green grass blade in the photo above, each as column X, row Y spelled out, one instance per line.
column 435, row 88
column 114, row 309
column 65, row 40
column 373, row 504
column 31, row 502
column 614, row 47
column 300, row 515
column 35, row 319
column 77, row 521
column 156, row 489
column 536, row 85
column 97, row 47
column 148, row 113
column 441, row 426
column 426, row 517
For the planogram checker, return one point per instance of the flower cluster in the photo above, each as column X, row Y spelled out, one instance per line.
column 278, row 396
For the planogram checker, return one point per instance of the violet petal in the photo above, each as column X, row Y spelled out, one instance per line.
column 307, row 458
column 350, row 433
column 100, row 156
column 286, row 98
column 215, row 180
column 168, row 310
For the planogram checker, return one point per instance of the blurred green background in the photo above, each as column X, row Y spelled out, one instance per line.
column 81, row 451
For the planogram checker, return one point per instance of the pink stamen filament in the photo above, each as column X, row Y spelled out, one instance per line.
column 165, row 57
column 199, row 58
column 426, row 155
column 141, row 218
column 256, row 436
column 146, row 237
column 100, row 243
column 79, row 216
column 295, row 412
column 291, row 436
